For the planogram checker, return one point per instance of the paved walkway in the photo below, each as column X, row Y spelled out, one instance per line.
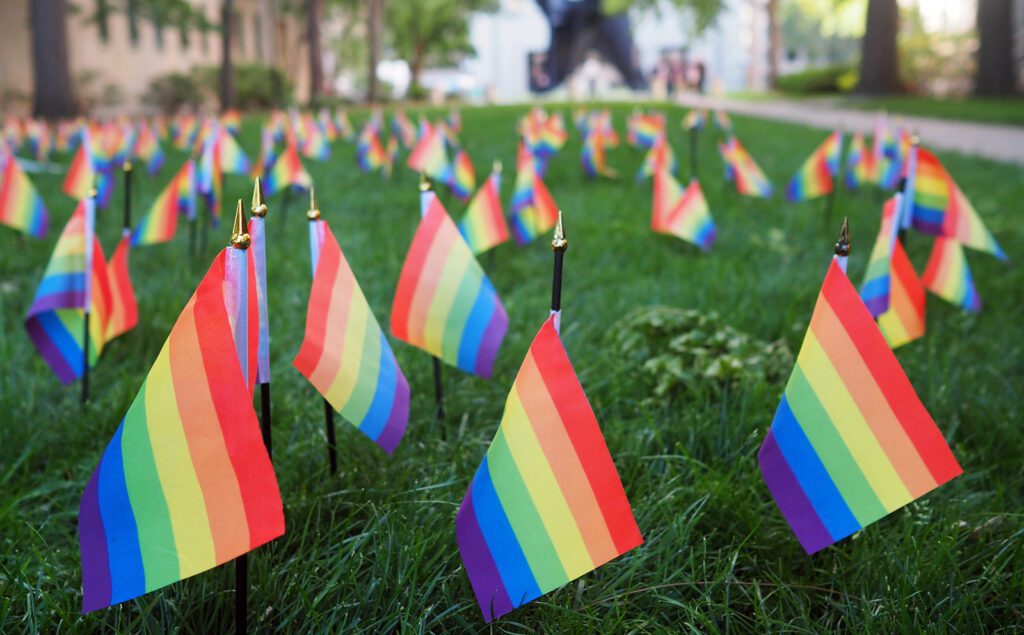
column 990, row 141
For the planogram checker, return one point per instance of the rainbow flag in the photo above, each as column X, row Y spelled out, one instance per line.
column 82, row 175
column 21, row 206
column 928, row 192
column 258, row 247
column 56, row 319
column 444, row 303
column 287, row 172
column 343, row 125
column 124, row 313
column 694, row 119
column 344, row 354
column 484, row 226
column 429, row 156
column 161, row 221
column 593, row 156
column 689, row 219
column 723, row 122
column 644, row 130
column 814, row 178
column 851, row 441
column 315, row 144
column 659, row 156
column 533, row 211
column 210, row 177
column 463, row 176
column 404, row 129
column 268, row 154
column 903, row 322
column 231, row 158
column 948, row 276
column 747, row 175
column 858, row 163
column 961, row 223
column 546, row 504
column 369, row 153
column 186, row 483
column 876, row 288
column 667, row 194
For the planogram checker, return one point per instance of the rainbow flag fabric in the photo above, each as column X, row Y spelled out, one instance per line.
column 82, row 174
column 287, row 172
column 876, row 288
column 961, row 223
column 859, row 169
column 546, row 505
column 21, row 206
column 429, row 155
column 814, row 178
column 643, row 130
column 660, row 155
column 463, row 176
column 160, row 223
column 186, row 483
column 533, row 211
column 124, row 313
column 903, row 322
column 667, row 194
column 689, row 219
column 75, row 278
column 928, row 191
column 746, row 174
column 593, row 156
column 484, row 227
column 369, row 153
column 444, row 304
column 850, row 442
column 948, row 276
column 344, row 354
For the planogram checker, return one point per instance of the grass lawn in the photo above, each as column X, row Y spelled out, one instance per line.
column 373, row 548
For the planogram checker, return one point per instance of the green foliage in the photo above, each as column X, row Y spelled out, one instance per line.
column 174, row 91
column 683, row 351
column 831, row 79
column 257, row 86
column 704, row 12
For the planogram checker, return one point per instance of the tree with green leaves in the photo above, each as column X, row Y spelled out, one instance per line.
column 704, row 12
column 426, row 32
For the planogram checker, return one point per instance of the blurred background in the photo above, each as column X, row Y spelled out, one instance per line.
column 102, row 57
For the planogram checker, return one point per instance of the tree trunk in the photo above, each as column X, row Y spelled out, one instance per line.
column 996, row 73
column 880, row 61
column 314, row 12
column 774, row 42
column 418, row 57
column 227, row 69
column 51, row 71
column 375, row 11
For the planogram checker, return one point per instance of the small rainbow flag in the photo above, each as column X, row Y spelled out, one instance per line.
column 484, row 224
column 643, row 130
column 429, row 156
column 875, row 291
column 723, row 122
column 161, row 221
column 21, row 206
column 287, row 172
column 903, row 322
column 369, row 153
column 694, row 119
column 850, row 442
column 124, row 313
column 344, row 125
column 814, row 178
column 928, row 191
column 546, row 505
column 56, row 319
column 659, row 156
column 593, row 156
column 859, row 167
column 344, row 354
column 948, row 276
column 82, row 174
column 186, row 483
column 231, row 158
column 667, row 194
column 533, row 211
column 463, row 176
column 962, row 224
column 404, row 129
column 444, row 303
column 210, row 176
column 689, row 219
column 747, row 175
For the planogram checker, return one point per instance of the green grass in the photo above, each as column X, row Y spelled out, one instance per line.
column 373, row 548
column 1006, row 111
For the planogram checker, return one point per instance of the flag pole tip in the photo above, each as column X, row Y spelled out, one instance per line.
column 496, row 166
column 239, row 237
column 313, row 213
column 259, row 207
column 127, row 165
column 424, row 182
column 559, row 242
column 843, row 243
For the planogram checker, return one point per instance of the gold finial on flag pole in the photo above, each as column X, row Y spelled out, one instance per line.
column 843, row 243
column 424, row 182
column 559, row 242
column 239, row 237
column 496, row 167
column 313, row 213
column 259, row 208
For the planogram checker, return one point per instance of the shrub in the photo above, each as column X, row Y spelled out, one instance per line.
column 830, row 79
column 174, row 91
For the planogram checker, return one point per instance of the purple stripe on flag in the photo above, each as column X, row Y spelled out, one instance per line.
column 92, row 539
column 790, row 497
column 491, row 341
column 394, row 429
column 478, row 562
column 50, row 352
column 50, row 302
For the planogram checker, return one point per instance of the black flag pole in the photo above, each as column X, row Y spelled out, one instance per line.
column 240, row 239
column 693, row 151
column 559, row 244
column 93, row 193
column 127, row 169
column 313, row 215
